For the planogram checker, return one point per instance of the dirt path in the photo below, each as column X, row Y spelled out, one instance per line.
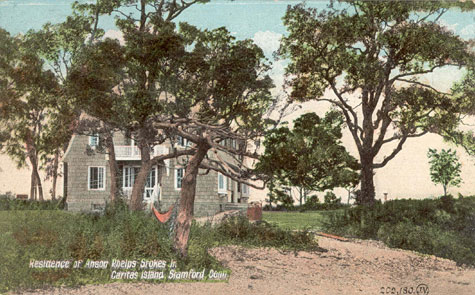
column 356, row 267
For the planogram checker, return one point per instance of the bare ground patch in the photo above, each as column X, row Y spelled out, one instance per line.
column 355, row 267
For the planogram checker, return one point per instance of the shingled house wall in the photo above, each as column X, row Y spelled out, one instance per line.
column 207, row 201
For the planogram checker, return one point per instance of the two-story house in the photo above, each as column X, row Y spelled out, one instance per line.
column 87, row 178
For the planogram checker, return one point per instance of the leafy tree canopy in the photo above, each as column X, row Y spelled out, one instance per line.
column 310, row 155
column 444, row 168
column 370, row 55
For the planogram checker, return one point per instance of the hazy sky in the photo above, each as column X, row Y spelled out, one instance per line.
column 261, row 20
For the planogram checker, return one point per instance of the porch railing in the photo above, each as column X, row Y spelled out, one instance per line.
column 129, row 152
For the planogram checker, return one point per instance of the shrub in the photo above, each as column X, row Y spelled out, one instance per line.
column 8, row 202
column 238, row 230
column 444, row 227
column 116, row 234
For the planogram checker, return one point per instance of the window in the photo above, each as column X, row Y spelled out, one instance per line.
column 179, row 172
column 96, row 178
column 129, row 175
column 94, row 140
column 181, row 141
column 221, row 183
column 245, row 189
column 150, row 185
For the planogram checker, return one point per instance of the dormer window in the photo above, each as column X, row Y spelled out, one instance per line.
column 94, row 140
column 181, row 141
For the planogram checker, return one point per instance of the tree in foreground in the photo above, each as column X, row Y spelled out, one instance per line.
column 219, row 108
column 444, row 168
column 124, row 85
column 169, row 82
column 370, row 55
column 309, row 157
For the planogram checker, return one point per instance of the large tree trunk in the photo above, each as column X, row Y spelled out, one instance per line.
column 136, row 199
column 33, row 186
column 34, row 172
column 38, row 184
column 113, row 167
column 187, row 200
column 55, row 173
column 300, row 196
column 367, row 182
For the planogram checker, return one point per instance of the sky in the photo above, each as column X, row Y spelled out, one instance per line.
column 261, row 20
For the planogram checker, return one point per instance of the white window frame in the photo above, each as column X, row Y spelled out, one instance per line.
column 224, row 189
column 94, row 140
column 154, row 172
column 245, row 189
column 183, row 142
column 176, row 177
column 103, row 188
column 131, row 176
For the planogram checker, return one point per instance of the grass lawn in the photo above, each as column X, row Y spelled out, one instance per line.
column 312, row 220
column 119, row 234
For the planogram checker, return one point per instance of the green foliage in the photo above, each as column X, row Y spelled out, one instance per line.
column 7, row 203
column 27, row 98
column 312, row 203
column 279, row 195
column 331, row 200
column 443, row 227
column 372, row 55
column 444, row 168
column 117, row 234
column 308, row 220
column 310, row 156
column 464, row 89
column 238, row 230
column 169, row 79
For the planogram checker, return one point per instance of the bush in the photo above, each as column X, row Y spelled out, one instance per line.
column 116, row 234
column 8, row 202
column 238, row 230
column 444, row 227
column 331, row 203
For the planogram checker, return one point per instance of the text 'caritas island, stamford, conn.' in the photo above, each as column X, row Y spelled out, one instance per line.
column 135, row 269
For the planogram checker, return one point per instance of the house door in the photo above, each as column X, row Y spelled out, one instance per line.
column 128, row 178
column 152, row 189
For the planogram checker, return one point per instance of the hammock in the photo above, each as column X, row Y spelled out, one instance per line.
column 162, row 217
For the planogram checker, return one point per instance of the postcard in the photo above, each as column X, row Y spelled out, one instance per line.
column 237, row 147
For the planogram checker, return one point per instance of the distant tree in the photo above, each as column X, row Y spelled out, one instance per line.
column 331, row 201
column 444, row 168
column 310, row 156
column 58, row 46
column 27, row 101
column 371, row 55
column 279, row 195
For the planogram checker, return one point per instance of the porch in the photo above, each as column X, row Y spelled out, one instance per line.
column 132, row 152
